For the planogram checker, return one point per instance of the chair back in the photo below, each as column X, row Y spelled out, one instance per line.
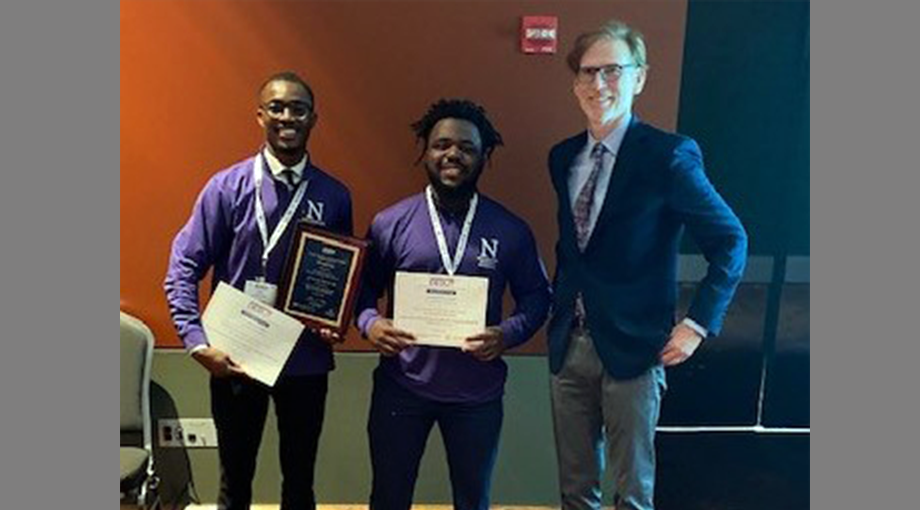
column 136, row 357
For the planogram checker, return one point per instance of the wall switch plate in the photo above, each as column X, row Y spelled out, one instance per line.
column 186, row 433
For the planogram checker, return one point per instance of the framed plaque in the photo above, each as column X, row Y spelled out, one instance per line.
column 321, row 277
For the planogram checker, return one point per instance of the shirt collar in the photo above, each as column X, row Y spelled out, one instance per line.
column 276, row 167
column 614, row 139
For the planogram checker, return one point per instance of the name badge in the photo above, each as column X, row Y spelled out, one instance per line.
column 262, row 291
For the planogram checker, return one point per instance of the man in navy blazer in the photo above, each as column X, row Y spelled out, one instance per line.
column 626, row 191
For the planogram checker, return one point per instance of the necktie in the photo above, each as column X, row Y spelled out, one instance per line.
column 289, row 176
column 582, row 214
column 585, row 200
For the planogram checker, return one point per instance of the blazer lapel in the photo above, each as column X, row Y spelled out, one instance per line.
column 563, row 169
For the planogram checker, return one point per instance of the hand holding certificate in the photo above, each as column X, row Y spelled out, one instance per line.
column 387, row 338
column 256, row 336
column 439, row 309
column 487, row 345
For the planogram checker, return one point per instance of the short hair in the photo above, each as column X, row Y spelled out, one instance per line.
column 613, row 30
column 462, row 109
column 290, row 77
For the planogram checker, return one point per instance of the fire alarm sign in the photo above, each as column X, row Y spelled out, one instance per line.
column 538, row 34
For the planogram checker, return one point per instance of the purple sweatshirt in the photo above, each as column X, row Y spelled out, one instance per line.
column 222, row 233
column 501, row 248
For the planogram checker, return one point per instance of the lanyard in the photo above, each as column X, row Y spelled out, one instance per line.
column 451, row 265
column 268, row 243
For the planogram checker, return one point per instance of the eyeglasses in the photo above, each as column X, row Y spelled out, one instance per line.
column 609, row 73
column 299, row 110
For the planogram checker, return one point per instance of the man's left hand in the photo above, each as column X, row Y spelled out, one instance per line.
column 487, row 345
column 683, row 342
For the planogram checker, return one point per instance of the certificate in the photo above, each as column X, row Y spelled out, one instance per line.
column 321, row 278
column 256, row 336
column 439, row 309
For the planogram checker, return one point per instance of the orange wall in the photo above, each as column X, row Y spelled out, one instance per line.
column 190, row 73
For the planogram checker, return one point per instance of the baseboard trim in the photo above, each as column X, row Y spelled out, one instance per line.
column 364, row 507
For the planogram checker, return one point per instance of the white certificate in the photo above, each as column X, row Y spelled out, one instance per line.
column 439, row 309
column 256, row 336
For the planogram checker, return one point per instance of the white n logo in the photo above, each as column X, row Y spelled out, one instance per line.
column 489, row 250
column 315, row 211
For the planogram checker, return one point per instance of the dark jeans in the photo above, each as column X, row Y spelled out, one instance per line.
column 239, row 407
column 398, row 428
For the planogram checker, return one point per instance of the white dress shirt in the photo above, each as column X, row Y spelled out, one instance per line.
column 277, row 167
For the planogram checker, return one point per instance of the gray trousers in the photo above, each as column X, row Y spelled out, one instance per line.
column 591, row 409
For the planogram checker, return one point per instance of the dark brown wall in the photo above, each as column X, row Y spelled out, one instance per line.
column 190, row 72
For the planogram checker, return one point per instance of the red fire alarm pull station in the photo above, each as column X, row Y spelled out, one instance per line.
column 539, row 34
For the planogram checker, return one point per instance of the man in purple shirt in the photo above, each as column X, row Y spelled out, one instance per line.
column 241, row 227
column 450, row 228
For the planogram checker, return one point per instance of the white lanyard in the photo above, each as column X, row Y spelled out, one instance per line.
column 451, row 265
column 269, row 243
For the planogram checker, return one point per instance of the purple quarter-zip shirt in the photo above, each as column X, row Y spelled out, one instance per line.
column 501, row 248
column 222, row 233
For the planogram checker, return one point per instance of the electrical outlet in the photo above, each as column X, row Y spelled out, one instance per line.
column 187, row 433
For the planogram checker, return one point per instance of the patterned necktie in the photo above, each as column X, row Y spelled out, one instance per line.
column 585, row 200
column 582, row 214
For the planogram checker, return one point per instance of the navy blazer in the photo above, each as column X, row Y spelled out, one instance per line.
column 628, row 271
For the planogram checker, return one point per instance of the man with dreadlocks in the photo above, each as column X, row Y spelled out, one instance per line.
column 449, row 228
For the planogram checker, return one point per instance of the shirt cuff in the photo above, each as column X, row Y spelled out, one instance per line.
column 692, row 324
column 366, row 319
column 199, row 347
column 195, row 341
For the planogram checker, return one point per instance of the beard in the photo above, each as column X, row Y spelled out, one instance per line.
column 460, row 192
column 453, row 193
